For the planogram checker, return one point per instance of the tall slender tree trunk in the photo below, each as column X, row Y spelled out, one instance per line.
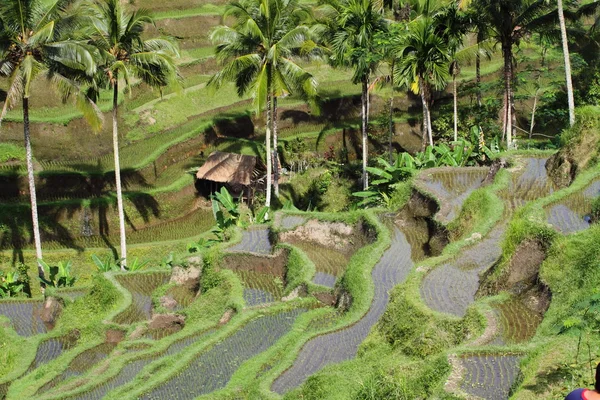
column 508, row 102
column 275, row 152
column 391, row 115
column 425, row 118
column 268, row 142
column 120, row 209
column 533, row 110
column 478, row 67
column 32, row 194
column 565, row 45
column 455, row 95
column 365, row 117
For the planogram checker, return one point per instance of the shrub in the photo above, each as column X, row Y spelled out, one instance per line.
column 10, row 285
column 58, row 275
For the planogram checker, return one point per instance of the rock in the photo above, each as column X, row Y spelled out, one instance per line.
column 115, row 336
column 297, row 292
column 326, row 298
column 561, row 170
column 139, row 332
column 330, row 234
column 475, row 237
column 497, row 165
column 186, row 277
column 421, row 206
column 227, row 316
column 344, row 300
column 167, row 321
column 51, row 310
column 168, row 302
column 195, row 262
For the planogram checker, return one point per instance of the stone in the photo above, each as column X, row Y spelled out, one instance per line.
column 51, row 310
column 167, row 321
column 227, row 316
column 138, row 333
column 168, row 302
column 186, row 277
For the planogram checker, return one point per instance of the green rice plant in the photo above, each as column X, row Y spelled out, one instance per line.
column 60, row 274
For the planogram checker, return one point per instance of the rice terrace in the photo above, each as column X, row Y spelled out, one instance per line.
column 299, row 199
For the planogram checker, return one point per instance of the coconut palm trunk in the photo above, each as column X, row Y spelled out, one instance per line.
column 365, row 117
column 455, row 95
column 118, row 172
column 478, row 67
column 391, row 112
column 565, row 45
column 275, row 152
column 425, row 119
column 32, row 194
column 507, row 127
column 268, row 142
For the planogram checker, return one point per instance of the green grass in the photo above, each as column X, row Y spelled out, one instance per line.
column 11, row 152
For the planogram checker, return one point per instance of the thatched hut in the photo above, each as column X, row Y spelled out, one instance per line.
column 238, row 173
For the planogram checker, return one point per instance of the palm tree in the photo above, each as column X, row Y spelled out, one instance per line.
column 387, row 43
column 565, row 46
column 424, row 66
column 256, row 53
column 509, row 22
column 36, row 39
column 123, row 54
column 352, row 42
column 454, row 25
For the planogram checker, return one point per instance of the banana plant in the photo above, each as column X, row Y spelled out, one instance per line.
column 107, row 264
column 60, row 274
column 10, row 284
column 224, row 200
column 136, row 264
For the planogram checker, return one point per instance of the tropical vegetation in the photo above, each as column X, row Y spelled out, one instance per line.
column 404, row 203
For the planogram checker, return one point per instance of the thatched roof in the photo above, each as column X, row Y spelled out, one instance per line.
column 228, row 168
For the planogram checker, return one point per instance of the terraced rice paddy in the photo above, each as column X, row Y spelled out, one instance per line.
column 50, row 349
column 489, row 376
column 342, row 345
column 330, row 263
column 141, row 287
column 451, row 287
column 212, row 369
column 263, row 276
column 568, row 215
column 529, row 182
column 518, row 324
column 261, row 288
column 80, row 365
column 254, row 241
column 452, row 188
column 24, row 316
column 133, row 368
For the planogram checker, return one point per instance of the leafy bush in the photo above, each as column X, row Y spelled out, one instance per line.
column 386, row 178
column 10, row 285
column 59, row 275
